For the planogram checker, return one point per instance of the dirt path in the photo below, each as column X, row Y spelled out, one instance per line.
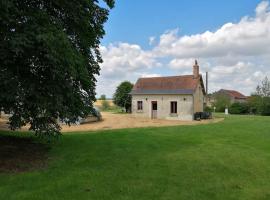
column 119, row 121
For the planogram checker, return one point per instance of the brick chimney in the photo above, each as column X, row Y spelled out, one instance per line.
column 196, row 70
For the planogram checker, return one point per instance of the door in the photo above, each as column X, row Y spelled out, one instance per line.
column 154, row 110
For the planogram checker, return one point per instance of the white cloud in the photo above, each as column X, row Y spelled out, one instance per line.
column 250, row 36
column 258, row 74
column 122, row 61
column 237, row 68
column 122, row 58
column 146, row 75
column 152, row 40
column 236, row 55
column 181, row 63
column 262, row 8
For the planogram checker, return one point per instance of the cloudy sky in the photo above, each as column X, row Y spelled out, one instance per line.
column 230, row 40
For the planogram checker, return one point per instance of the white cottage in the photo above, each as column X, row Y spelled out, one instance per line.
column 172, row 97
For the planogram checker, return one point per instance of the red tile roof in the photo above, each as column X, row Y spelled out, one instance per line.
column 235, row 94
column 171, row 83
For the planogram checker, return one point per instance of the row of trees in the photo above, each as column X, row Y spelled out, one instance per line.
column 257, row 103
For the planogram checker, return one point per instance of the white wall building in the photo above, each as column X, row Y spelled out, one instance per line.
column 173, row 97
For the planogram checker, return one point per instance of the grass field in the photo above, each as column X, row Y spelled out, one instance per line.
column 223, row 161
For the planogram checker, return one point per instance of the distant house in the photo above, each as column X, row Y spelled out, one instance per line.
column 172, row 97
column 233, row 95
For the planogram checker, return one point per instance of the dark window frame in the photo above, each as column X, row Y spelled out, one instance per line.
column 173, row 107
column 139, row 105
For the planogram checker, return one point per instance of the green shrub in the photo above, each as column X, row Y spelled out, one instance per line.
column 254, row 104
column 265, row 106
column 239, row 108
column 208, row 109
column 259, row 105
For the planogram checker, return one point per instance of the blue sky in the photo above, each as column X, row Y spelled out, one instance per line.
column 134, row 21
column 229, row 36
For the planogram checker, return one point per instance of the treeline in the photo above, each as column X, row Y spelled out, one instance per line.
column 258, row 103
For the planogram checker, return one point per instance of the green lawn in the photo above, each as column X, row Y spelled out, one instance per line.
column 223, row 161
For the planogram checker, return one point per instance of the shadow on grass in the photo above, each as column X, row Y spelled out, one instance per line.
column 21, row 154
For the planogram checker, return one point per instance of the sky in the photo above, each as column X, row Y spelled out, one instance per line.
column 230, row 39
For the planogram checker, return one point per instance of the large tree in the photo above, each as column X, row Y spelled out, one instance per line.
column 49, row 57
column 122, row 97
column 263, row 89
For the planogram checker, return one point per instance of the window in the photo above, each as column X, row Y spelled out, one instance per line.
column 139, row 105
column 173, row 107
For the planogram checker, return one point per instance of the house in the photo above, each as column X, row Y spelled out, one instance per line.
column 172, row 97
column 233, row 95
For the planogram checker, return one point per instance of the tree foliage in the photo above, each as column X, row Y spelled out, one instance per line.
column 49, row 56
column 102, row 97
column 254, row 103
column 222, row 101
column 239, row 108
column 265, row 106
column 208, row 109
column 121, row 97
column 259, row 102
column 263, row 89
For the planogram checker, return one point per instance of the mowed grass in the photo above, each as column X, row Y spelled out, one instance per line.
column 227, row 160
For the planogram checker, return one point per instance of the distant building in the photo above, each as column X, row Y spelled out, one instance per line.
column 173, row 97
column 233, row 95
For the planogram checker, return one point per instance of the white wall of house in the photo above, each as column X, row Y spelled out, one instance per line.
column 185, row 108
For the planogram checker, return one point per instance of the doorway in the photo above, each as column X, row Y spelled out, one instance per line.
column 154, row 110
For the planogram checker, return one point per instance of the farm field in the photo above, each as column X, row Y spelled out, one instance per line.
column 219, row 161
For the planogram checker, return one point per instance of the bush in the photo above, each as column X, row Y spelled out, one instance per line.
column 254, row 104
column 265, row 107
column 239, row 108
column 259, row 105
column 208, row 109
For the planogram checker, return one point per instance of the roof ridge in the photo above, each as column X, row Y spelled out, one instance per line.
column 165, row 76
column 233, row 91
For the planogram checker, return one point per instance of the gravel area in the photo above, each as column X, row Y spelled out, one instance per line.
column 119, row 121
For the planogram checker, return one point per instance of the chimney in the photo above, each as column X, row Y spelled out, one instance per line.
column 196, row 71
